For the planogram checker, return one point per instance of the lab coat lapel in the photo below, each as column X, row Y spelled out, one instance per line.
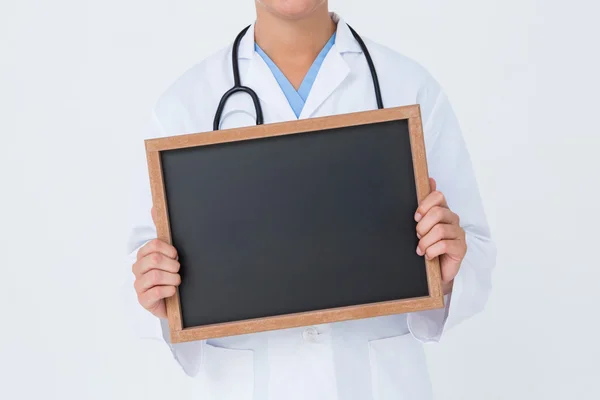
column 332, row 73
column 260, row 78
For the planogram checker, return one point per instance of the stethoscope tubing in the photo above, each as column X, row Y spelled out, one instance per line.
column 238, row 87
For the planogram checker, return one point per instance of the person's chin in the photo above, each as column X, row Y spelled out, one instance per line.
column 294, row 15
column 295, row 11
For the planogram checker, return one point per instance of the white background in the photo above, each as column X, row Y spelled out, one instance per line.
column 78, row 78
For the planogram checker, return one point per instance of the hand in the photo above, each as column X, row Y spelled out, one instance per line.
column 440, row 234
column 156, row 275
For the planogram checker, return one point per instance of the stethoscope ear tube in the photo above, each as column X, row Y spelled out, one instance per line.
column 237, row 86
column 371, row 67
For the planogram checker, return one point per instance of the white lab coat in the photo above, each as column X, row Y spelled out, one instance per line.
column 379, row 358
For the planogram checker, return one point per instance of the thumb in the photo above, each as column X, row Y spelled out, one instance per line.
column 432, row 184
column 153, row 212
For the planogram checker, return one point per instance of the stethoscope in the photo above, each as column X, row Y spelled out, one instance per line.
column 237, row 87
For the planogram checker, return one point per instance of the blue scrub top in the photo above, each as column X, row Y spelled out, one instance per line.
column 297, row 98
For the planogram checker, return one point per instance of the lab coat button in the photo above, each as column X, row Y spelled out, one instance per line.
column 310, row 334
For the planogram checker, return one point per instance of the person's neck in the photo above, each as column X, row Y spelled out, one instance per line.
column 293, row 45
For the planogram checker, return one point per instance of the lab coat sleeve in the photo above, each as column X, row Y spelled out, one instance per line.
column 145, row 325
column 450, row 165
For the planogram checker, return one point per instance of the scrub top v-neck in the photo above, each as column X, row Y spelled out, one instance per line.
column 297, row 98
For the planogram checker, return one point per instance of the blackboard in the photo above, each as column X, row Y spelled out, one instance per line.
column 292, row 224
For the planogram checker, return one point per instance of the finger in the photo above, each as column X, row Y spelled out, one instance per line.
column 157, row 246
column 156, row 277
column 435, row 198
column 446, row 246
column 432, row 184
column 153, row 212
column 155, row 261
column 150, row 297
column 440, row 232
column 436, row 215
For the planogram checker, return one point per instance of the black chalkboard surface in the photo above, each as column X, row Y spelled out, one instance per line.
column 297, row 223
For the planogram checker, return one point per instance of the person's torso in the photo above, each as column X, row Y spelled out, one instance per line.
column 373, row 358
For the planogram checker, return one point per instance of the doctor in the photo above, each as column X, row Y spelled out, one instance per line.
column 301, row 61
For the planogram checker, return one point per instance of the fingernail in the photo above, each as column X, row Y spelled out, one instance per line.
column 418, row 217
column 418, row 236
column 419, row 251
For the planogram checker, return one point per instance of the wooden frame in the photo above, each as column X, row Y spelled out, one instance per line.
column 155, row 146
